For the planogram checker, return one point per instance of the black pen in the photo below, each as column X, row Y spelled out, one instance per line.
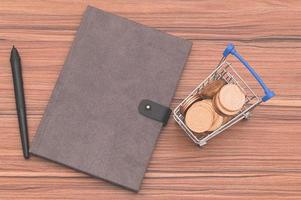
column 15, row 62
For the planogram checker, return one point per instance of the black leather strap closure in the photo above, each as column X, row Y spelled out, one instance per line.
column 154, row 111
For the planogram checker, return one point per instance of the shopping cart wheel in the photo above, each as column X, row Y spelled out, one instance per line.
column 202, row 143
column 247, row 115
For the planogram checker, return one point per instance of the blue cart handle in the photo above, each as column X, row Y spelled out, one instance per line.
column 231, row 50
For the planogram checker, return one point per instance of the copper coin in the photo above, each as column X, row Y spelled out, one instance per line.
column 231, row 97
column 226, row 119
column 221, row 108
column 189, row 102
column 217, row 119
column 216, row 108
column 207, row 103
column 212, row 88
column 217, row 122
column 199, row 117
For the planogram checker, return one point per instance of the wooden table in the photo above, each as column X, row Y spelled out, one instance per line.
column 256, row 159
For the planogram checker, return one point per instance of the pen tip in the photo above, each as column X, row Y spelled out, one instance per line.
column 14, row 49
column 14, row 52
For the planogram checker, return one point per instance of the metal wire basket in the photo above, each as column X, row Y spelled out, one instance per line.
column 227, row 72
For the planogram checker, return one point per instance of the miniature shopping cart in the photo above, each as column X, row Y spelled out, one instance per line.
column 227, row 72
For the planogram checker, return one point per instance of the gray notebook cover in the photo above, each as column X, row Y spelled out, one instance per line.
column 92, row 123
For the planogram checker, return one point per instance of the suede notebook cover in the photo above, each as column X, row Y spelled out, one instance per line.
column 92, row 123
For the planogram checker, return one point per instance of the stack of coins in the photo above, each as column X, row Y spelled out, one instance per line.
column 202, row 117
column 229, row 100
column 215, row 105
column 189, row 102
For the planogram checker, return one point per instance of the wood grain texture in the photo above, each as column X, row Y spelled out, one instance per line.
column 257, row 159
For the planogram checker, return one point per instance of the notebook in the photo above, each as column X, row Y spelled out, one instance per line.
column 92, row 123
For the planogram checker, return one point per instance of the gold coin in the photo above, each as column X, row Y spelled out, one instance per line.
column 212, row 88
column 231, row 97
column 199, row 118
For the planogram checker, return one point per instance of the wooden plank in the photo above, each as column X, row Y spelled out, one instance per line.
column 256, row 159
